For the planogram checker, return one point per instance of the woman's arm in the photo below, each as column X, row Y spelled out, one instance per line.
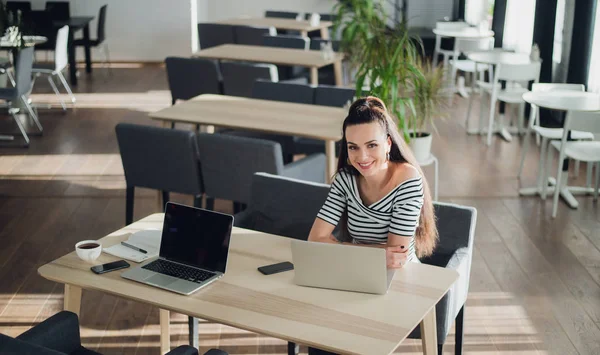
column 321, row 232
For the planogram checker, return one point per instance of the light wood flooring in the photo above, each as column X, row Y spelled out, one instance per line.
column 535, row 282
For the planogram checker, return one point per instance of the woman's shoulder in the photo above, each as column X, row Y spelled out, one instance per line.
column 404, row 172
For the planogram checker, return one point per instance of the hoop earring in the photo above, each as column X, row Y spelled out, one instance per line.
column 348, row 161
column 387, row 156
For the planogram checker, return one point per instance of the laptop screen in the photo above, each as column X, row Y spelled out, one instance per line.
column 196, row 237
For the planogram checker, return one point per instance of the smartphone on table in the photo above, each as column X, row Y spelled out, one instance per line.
column 275, row 268
column 115, row 265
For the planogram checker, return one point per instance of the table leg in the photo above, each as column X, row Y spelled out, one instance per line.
column 72, row 302
column 314, row 76
column 330, row 159
column 429, row 333
column 165, row 335
column 325, row 33
column 72, row 62
column 337, row 70
column 436, row 50
column 88, row 54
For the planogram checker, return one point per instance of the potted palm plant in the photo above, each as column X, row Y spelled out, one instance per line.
column 428, row 104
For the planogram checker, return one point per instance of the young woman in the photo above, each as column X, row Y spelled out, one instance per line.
column 379, row 196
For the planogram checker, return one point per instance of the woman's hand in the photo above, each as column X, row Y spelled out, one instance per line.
column 396, row 257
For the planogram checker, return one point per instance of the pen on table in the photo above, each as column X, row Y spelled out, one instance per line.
column 134, row 247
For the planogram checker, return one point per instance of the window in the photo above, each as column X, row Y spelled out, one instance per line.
column 518, row 25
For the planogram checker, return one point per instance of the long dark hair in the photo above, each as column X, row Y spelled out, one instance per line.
column 372, row 109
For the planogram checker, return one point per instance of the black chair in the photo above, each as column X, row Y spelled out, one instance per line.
column 215, row 34
column 190, row 77
column 228, row 163
column 252, row 36
column 239, row 77
column 286, row 92
column 100, row 35
column 324, row 17
column 42, row 25
column 326, row 73
column 23, row 6
column 456, row 226
column 326, row 96
column 59, row 10
column 288, row 41
column 281, row 14
column 24, row 64
column 315, row 44
column 151, row 155
column 59, row 334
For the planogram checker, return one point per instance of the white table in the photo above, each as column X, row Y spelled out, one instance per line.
column 565, row 101
column 493, row 57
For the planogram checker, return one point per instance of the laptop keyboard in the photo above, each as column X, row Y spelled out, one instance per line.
column 179, row 271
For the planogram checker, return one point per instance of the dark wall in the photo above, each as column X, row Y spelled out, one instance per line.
column 581, row 41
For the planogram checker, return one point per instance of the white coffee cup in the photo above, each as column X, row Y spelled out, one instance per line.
column 315, row 19
column 88, row 250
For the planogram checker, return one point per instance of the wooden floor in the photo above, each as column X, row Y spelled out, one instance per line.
column 535, row 282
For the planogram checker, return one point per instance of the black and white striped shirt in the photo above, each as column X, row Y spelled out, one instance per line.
column 397, row 212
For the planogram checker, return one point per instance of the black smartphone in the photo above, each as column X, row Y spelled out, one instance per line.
column 275, row 268
column 115, row 265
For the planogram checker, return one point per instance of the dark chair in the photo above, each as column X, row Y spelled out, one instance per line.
column 281, row 14
column 24, row 64
column 252, row 36
column 42, row 25
column 59, row 10
column 315, row 44
column 282, row 206
column 456, row 226
column 215, row 34
column 161, row 159
column 23, row 6
column 326, row 96
column 326, row 73
column 288, row 41
column 324, row 17
column 100, row 35
column 239, row 77
column 59, row 334
column 190, row 77
column 228, row 163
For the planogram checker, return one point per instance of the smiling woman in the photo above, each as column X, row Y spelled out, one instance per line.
column 379, row 195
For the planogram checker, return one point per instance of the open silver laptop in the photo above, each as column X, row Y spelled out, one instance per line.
column 341, row 267
column 193, row 250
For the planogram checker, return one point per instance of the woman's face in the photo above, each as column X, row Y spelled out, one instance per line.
column 368, row 146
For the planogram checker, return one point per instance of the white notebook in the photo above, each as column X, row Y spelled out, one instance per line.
column 148, row 240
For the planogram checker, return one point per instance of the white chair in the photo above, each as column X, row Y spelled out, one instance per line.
column 56, row 68
column 466, row 46
column 513, row 93
column 432, row 160
column 548, row 134
column 448, row 26
column 587, row 151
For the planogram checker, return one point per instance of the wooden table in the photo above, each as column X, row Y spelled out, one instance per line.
column 281, row 24
column 282, row 56
column 344, row 322
column 310, row 121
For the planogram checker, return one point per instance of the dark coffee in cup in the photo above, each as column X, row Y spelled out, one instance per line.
column 88, row 246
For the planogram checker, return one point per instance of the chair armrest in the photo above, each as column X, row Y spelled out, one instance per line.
column 243, row 219
column 59, row 332
column 10, row 345
column 183, row 350
column 311, row 168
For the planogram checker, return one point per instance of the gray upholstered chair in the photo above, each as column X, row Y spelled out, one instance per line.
column 283, row 91
column 190, row 77
column 228, row 163
column 161, row 159
column 59, row 335
column 239, row 77
column 281, row 14
column 215, row 34
column 326, row 96
column 22, row 86
column 282, row 206
column 288, row 41
column 456, row 226
column 252, row 36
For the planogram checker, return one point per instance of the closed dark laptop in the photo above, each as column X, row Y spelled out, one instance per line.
column 193, row 250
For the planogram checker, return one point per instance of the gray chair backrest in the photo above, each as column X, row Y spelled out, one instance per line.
column 333, row 96
column 239, row 77
column 281, row 14
column 190, row 77
column 456, row 227
column 24, row 66
column 287, row 92
column 284, row 206
column 286, row 41
column 215, row 34
column 252, row 36
column 160, row 158
column 324, row 17
column 101, row 30
column 315, row 44
column 228, row 163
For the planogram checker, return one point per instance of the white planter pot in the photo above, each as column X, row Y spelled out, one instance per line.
column 421, row 147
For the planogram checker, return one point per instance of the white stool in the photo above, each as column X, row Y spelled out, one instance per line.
column 432, row 160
